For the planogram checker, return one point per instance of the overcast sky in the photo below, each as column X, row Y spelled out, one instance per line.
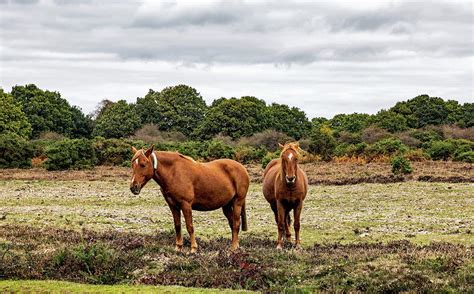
column 325, row 57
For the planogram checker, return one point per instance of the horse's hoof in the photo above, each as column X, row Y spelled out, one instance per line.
column 298, row 246
column 233, row 248
column 193, row 250
column 279, row 247
column 178, row 248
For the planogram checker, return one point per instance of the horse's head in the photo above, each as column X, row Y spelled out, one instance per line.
column 143, row 168
column 289, row 160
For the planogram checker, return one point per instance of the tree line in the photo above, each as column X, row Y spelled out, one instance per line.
column 36, row 123
column 28, row 111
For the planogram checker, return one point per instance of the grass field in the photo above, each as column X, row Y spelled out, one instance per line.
column 365, row 237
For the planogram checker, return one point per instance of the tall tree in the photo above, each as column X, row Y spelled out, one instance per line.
column 291, row 121
column 117, row 120
column 180, row 108
column 12, row 118
column 47, row 111
column 352, row 123
column 234, row 117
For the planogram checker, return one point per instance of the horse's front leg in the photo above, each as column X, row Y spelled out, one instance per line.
column 281, row 223
column 297, row 216
column 236, row 210
column 188, row 217
column 177, row 226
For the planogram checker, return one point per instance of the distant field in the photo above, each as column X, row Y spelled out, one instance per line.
column 379, row 237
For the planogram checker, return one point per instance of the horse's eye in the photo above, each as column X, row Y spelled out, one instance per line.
column 142, row 165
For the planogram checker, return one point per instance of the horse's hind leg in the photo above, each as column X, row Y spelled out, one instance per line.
column 297, row 216
column 188, row 217
column 227, row 209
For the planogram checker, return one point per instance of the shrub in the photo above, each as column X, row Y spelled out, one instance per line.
column 322, row 142
column 150, row 133
column 269, row 157
column 407, row 139
column 373, row 134
column 15, row 152
column 217, row 149
column 415, row 155
column 51, row 136
column 467, row 156
column 426, row 136
column 400, row 165
column 194, row 149
column 350, row 149
column 248, row 154
column 70, row 154
column 449, row 148
column 388, row 147
column 267, row 138
column 115, row 151
column 350, row 138
column 455, row 132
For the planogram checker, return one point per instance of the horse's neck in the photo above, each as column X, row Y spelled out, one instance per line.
column 166, row 161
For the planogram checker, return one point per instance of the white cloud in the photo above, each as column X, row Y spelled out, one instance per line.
column 324, row 57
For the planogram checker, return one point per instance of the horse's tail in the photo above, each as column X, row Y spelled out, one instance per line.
column 243, row 216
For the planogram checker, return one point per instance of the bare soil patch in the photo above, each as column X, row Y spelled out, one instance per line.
column 328, row 173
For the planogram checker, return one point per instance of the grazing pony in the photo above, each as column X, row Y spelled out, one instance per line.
column 187, row 185
column 285, row 186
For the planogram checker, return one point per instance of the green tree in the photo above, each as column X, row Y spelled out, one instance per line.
column 117, row 120
column 322, row 141
column 12, row 118
column 147, row 108
column 466, row 119
column 234, row 117
column 48, row 111
column 352, row 123
column 180, row 108
column 423, row 110
column 390, row 121
column 291, row 121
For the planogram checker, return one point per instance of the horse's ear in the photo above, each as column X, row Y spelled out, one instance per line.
column 134, row 150
column 281, row 146
column 149, row 150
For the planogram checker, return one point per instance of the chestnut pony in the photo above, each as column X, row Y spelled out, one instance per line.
column 285, row 186
column 187, row 185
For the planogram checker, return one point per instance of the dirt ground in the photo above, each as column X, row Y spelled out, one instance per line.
column 329, row 173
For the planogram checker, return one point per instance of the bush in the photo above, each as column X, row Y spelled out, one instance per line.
column 248, row 154
column 269, row 157
column 268, row 138
column 350, row 149
column 455, row 132
column 150, row 133
column 15, row 152
column 426, row 136
column 373, row 134
column 388, row 147
column 322, row 142
column 114, row 151
column 400, row 165
column 467, row 156
column 449, row 149
column 217, row 149
column 407, row 139
column 70, row 154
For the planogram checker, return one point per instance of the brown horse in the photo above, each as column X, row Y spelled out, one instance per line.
column 284, row 186
column 187, row 185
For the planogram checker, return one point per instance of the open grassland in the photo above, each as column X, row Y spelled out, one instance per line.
column 365, row 237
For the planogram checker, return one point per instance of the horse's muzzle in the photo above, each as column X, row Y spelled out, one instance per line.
column 135, row 189
column 291, row 180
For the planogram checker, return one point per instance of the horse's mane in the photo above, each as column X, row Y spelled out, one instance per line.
column 186, row 157
column 293, row 146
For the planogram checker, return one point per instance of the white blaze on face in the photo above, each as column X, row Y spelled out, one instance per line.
column 290, row 156
column 136, row 161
